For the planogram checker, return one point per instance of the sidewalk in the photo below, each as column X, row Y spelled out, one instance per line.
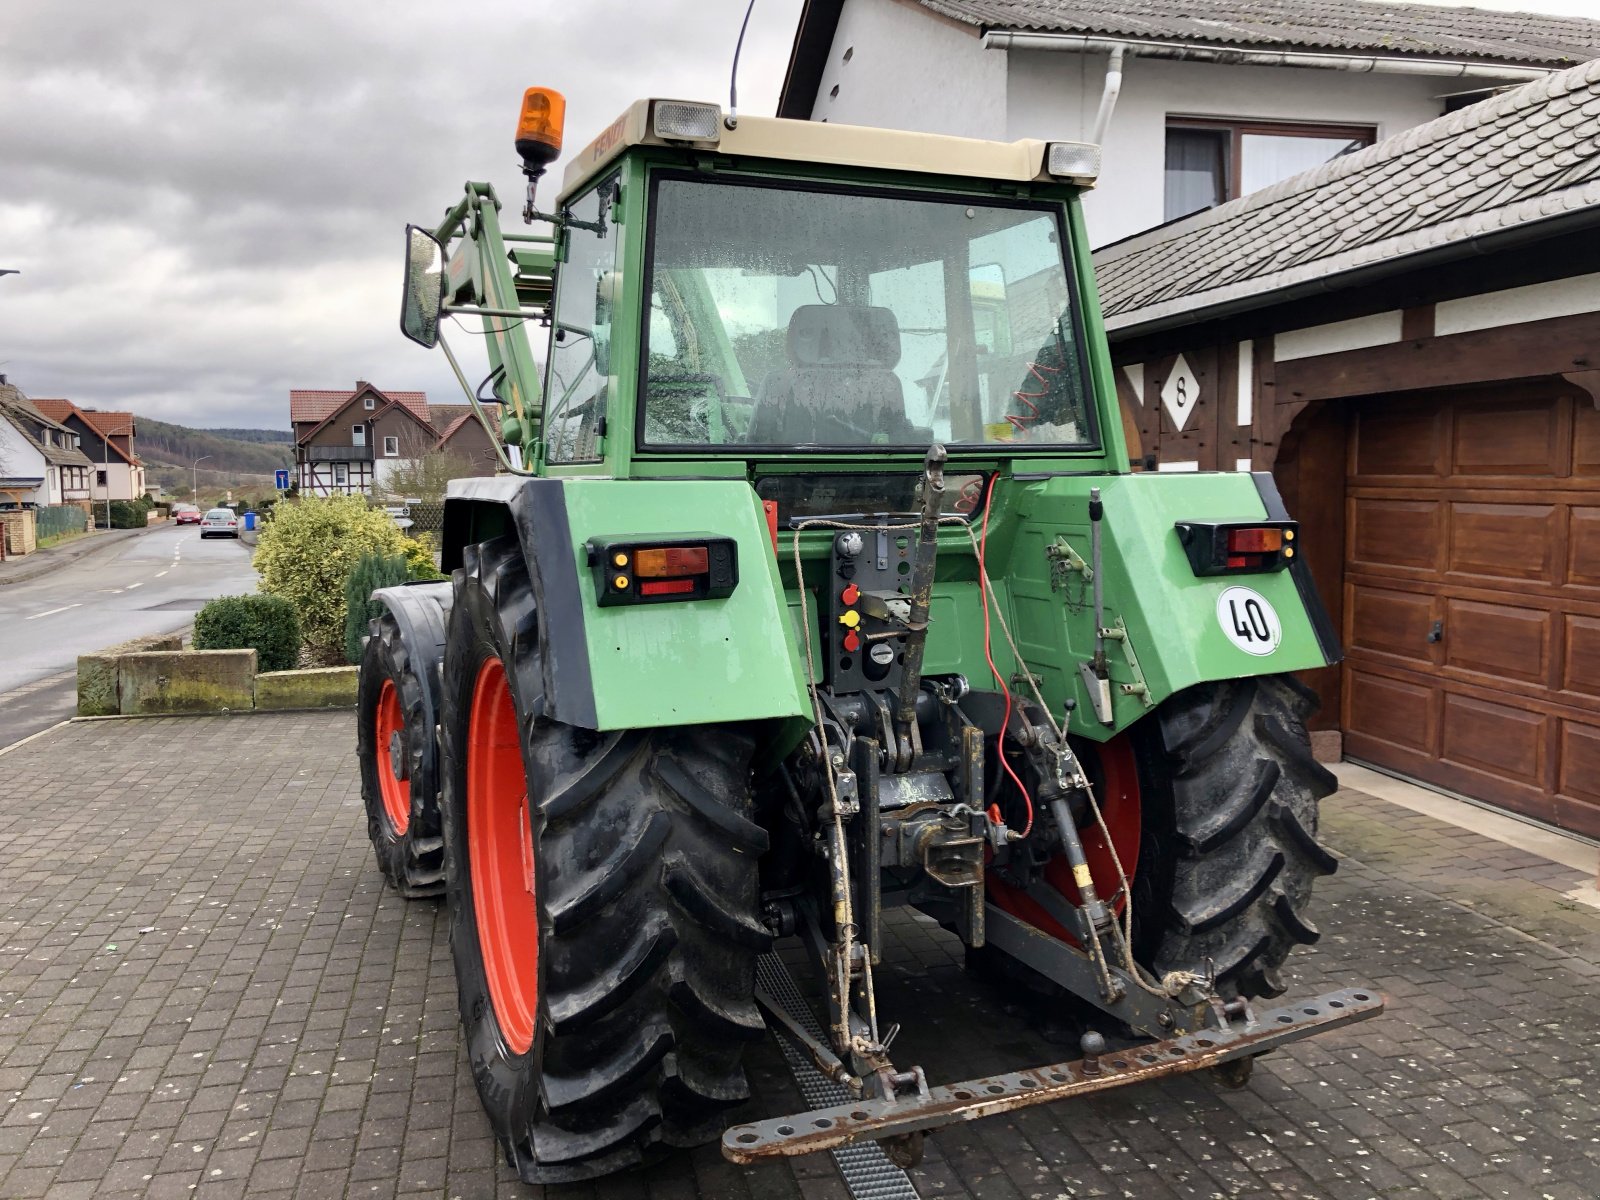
column 41, row 562
column 205, row 991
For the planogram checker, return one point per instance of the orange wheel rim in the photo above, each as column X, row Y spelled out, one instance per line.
column 394, row 780
column 500, row 851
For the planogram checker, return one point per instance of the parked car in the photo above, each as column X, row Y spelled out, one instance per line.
column 219, row 521
column 185, row 514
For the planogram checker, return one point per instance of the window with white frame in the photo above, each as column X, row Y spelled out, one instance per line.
column 341, row 474
column 369, row 404
column 391, row 447
column 358, row 435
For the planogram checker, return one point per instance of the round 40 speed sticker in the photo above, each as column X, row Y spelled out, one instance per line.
column 1249, row 620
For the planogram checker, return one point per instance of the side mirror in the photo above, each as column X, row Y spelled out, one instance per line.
column 424, row 288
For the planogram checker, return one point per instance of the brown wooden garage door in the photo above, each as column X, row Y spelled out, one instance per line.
column 1474, row 518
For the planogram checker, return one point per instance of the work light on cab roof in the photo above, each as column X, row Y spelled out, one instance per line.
column 544, row 111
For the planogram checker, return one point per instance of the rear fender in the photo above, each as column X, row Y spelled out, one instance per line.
column 689, row 662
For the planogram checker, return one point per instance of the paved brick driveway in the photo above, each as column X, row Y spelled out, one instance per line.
column 204, row 991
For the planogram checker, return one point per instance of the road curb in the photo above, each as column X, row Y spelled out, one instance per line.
column 65, row 555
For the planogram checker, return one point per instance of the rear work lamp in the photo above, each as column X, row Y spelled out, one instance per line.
column 684, row 566
column 685, row 121
column 1239, row 547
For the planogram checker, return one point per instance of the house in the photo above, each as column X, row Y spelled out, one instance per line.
column 1205, row 102
column 464, row 439
column 351, row 442
column 41, row 463
column 107, row 438
column 1408, row 338
column 347, row 441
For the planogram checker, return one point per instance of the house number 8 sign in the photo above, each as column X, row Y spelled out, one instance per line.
column 1249, row 620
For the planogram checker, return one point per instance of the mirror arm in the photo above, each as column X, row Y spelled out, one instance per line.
column 524, row 314
column 596, row 227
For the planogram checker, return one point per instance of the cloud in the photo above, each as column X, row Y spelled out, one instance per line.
column 206, row 199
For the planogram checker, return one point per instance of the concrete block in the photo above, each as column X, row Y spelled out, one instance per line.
column 187, row 681
column 97, row 685
column 321, row 687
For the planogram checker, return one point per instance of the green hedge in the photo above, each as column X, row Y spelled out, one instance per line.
column 131, row 514
column 371, row 572
column 266, row 624
column 56, row 519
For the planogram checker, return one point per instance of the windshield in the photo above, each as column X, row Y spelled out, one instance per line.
column 783, row 318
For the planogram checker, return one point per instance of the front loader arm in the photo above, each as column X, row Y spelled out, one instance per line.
column 503, row 289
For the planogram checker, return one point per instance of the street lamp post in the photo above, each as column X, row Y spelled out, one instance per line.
column 105, row 463
column 194, row 484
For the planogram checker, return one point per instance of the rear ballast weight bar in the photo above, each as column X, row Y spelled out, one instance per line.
column 879, row 1118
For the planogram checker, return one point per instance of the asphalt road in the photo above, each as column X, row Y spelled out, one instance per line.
column 153, row 583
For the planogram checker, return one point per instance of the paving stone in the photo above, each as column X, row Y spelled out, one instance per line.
column 296, row 1022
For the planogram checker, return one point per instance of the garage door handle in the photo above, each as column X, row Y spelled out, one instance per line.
column 1436, row 634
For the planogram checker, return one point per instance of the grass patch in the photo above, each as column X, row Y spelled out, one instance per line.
column 45, row 543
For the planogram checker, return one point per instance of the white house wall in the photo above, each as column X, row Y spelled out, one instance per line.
column 910, row 69
column 1056, row 95
column 120, row 480
column 21, row 459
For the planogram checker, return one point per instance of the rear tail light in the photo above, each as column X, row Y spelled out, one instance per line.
column 1238, row 547
column 691, row 566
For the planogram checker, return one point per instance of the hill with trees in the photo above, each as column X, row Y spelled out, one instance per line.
column 233, row 457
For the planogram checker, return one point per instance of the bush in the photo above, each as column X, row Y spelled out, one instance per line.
column 130, row 514
column 371, row 572
column 306, row 554
column 265, row 624
column 418, row 552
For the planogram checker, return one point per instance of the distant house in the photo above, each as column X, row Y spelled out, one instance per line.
column 40, row 460
column 1216, row 99
column 463, row 437
column 107, row 438
column 351, row 442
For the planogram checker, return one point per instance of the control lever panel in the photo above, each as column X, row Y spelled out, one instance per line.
column 867, row 605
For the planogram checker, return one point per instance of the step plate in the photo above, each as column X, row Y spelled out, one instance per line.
column 840, row 1125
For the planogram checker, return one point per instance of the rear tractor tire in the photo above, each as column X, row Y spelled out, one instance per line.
column 602, row 891
column 1237, row 852
column 396, row 707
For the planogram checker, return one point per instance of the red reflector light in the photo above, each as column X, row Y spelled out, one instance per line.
column 666, row 587
column 770, row 507
column 1254, row 541
column 661, row 561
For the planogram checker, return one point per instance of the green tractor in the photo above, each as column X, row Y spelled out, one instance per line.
column 815, row 584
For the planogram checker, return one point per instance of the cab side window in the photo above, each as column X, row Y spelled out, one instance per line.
column 578, row 381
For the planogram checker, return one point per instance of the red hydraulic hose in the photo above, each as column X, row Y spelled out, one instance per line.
column 983, row 590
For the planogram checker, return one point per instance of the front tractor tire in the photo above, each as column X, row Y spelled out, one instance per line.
column 1227, row 865
column 602, row 894
column 397, row 751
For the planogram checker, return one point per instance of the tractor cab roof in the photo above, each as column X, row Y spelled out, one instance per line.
column 689, row 125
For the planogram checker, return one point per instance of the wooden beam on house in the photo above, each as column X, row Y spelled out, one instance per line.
column 1522, row 351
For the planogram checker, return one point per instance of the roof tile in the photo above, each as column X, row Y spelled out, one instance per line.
column 1516, row 158
column 1340, row 26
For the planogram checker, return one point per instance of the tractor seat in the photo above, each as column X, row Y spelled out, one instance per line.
column 840, row 387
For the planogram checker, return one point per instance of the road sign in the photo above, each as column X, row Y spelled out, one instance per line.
column 280, row 480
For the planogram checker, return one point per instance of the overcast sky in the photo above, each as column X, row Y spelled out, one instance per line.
column 206, row 197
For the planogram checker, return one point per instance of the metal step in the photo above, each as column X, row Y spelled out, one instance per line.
column 867, row 1171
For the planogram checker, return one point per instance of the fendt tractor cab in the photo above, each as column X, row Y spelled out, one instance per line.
column 816, row 584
